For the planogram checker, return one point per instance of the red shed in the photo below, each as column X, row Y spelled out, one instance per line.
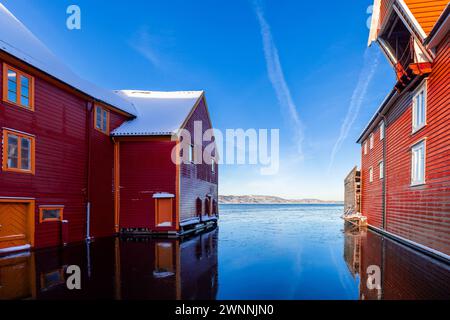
column 158, row 191
column 406, row 146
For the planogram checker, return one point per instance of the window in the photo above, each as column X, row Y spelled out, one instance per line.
column 51, row 213
column 370, row 174
column 18, row 152
column 419, row 108
column 418, row 164
column 191, row 153
column 18, row 87
column 371, row 141
column 382, row 129
column 381, row 167
column 365, row 147
column 213, row 165
column 101, row 119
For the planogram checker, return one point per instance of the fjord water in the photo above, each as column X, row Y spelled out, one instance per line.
column 257, row 252
column 283, row 252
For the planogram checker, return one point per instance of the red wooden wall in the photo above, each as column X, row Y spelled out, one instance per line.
column 422, row 213
column 59, row 123
column 371, row 193
column 146, row 168
column 197, row 180
column 102, row 177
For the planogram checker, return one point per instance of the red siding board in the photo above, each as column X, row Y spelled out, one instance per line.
column 60, row 127
column 197, row 180
column 420, row 214
column 146, row 168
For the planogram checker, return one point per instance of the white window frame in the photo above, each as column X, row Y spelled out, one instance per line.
column 371, row 174
column 371, row 141
column 365, row 147
column 382, row 130
column 415, row 181
column 381, row 169
column 421, row 89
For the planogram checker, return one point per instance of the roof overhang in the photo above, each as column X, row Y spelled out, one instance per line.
column 440, row 30
column 375, row 23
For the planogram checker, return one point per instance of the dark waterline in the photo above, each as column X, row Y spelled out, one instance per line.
column 259, row 252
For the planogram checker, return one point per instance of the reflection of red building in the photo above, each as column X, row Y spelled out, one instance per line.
column 405, row 147
column 404, row 273
column 117, row 269
column 63, row 178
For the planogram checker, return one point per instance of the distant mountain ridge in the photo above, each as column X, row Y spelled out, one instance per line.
column 254, row 199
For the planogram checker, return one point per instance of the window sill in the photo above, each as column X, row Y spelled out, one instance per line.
column 417, row 130
column 418, row 184
column 19, row 106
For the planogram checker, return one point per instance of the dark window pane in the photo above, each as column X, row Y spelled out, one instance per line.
column 25, row 153
column 98, row 120
column 51, row 214
column 105, row 120
column 13, row 154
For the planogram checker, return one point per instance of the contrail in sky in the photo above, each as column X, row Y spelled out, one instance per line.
column 277, row 78
column 359, row 94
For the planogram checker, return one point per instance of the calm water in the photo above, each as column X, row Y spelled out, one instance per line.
column 259, row 252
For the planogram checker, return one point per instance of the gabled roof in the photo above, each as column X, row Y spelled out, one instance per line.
column 158, row 113
column 422, row 15
column 18, row 41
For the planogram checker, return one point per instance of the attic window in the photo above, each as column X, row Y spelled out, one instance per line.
column 101, row 119
column 18, row 88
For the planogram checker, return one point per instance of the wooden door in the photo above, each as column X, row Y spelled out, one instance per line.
column 164, row 212
column 17, row 278
column 15, row 224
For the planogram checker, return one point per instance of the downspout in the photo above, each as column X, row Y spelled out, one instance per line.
column 384, row 195
column 89, row 109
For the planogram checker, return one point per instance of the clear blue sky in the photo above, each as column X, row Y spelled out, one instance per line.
column 218, row 46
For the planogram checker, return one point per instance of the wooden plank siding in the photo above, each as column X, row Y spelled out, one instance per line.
column 102, row 177
column 146, row 168
column 372, row 195
column 417, row 213
column 422, row 214
column 426, row 12
column 197, row 180
column 59, row 124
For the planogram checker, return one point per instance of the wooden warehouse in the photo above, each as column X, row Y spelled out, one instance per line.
column 157, row 194
column 59, row 177
column 406, row 146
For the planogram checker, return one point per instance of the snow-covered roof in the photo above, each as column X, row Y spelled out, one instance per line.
column 20, row 42
column 158, row 113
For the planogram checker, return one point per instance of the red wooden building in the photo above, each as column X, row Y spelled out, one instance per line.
column 406, row 146
column 59, row 169
column 158, row 194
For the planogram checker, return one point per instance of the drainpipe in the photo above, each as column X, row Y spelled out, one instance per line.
column 384, row 195
column 89, row 109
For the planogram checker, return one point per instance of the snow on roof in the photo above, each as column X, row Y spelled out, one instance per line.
column 20, row 42
column 158, row 113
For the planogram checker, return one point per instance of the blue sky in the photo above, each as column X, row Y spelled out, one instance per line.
column 301, row 67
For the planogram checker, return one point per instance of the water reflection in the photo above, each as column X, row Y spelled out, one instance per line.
column 404, row 272
column 288, row 252
column 114, row 268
